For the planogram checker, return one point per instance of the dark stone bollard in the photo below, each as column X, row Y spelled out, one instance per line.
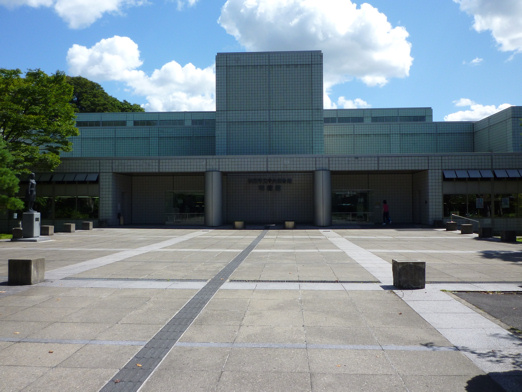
column 485, row 232
column 47, row 230
column 466, row 228
column 69, row 227
column 451, row 226
column 508, row 236
column 408, row 275
column 87, row 225
column 26, row 271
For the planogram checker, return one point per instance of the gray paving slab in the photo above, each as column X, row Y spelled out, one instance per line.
column 306, row 310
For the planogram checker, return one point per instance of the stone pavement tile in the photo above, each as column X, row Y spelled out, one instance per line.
column 6, row 311
column 432, row 363
column 259, row 360
column 395, row 319
column 233, row 293
column 149, row 314
column 410, row 336
column 271, row 334
column 41, row 314
column 328, row 382
column 97, row 292
column 185, row 359
column 228, row 303
column 327, row 318
column 231, row 381
column 95, row 356
column 70, row 331
column 481, row 383
column 117, row 301
column 248, row 272
column 192, row 381
column 268, row 305
column 210, row 333
column 220, row 317
column 15, row 378
column 93, row 315
column 274, row 318
column 20, row 329
column 67, row 379
column 37, row 354
column 23, row 300
column 274, row 294
column 129, row 332
column 340, row 336
column 350, row 362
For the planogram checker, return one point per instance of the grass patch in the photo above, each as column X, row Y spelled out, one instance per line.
column 5, row 236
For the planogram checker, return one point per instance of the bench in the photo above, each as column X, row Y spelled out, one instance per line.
column 408, row 275
column 26, row 271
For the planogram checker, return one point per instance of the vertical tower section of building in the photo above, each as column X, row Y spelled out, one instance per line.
column 269, row 103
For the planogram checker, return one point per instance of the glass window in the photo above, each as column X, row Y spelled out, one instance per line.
column 145, row 123
column 87, row 123
column 114, row 123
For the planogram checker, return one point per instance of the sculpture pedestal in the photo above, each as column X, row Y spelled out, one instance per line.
column 31, row 224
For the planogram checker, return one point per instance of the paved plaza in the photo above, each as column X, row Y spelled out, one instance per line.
column 260, row 309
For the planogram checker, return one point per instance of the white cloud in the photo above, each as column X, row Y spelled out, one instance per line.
column 78, row 13
column 357, row 42
column 171, row 88
column 356, row 103
column 186, row 3
column 476, row 61
column 502, row 18
column 476, row 111
column 30, row 3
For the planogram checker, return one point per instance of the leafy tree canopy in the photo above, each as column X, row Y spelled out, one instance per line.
column 90, row 97
column 36, row 121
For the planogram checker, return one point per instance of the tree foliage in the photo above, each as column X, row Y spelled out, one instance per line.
column 36, row 121
column 90, row 97
column 8, row 181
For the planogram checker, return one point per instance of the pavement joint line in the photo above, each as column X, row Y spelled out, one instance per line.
column 134, row 374
column 74, row 269
column 308, row 346
column 77, row 341
column 454, row 326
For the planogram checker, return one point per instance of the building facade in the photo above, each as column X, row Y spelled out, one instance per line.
column 271, row 153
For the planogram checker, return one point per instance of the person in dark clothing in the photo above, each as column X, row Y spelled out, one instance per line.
column 385, row 213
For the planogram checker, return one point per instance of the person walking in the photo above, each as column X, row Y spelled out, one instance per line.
column 385, row 213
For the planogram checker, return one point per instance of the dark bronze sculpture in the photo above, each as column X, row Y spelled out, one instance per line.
column 30, row 194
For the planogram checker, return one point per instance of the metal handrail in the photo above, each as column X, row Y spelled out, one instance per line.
column 464, row 217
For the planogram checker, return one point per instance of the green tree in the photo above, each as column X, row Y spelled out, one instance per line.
column 90, row 97
column 36, row 121
column 8, row 181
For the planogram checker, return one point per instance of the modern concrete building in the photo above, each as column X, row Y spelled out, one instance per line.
column 271, row 153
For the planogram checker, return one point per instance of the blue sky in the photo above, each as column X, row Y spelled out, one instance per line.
column 463, row 58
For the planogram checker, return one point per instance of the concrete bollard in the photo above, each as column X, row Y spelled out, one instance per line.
column 69, row 227
column 451, row 226
column 289, row 225
column 239, row 225
column 47, row 230
column 26, row 271
column 408, row 275
column 485, row 232
column 87, row 225
column 508, row 236
column 17, row 233
column 466, row 228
